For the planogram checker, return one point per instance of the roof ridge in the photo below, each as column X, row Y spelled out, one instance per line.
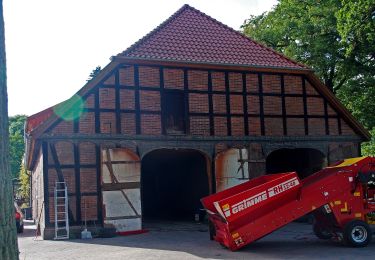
column 155, row 30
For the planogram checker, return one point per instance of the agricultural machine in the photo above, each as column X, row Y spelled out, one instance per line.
column 341, row 198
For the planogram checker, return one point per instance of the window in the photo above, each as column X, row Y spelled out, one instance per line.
column 174, row 112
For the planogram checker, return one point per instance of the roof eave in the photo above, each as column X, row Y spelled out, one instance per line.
column 35, row 133
column 357, row 126
column 213, row 65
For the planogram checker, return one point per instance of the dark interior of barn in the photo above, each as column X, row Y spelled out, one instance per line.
column 305, row 161
column 173, row 182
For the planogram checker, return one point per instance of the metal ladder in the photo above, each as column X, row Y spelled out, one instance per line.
column 61, row 211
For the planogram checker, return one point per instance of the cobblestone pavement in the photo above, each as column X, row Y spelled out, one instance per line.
column 189, row 241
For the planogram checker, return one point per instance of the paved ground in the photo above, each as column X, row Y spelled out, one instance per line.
column 190, row 241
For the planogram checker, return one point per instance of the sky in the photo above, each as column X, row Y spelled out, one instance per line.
column 53, row 45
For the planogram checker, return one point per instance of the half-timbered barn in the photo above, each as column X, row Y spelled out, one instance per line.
column 192, row 108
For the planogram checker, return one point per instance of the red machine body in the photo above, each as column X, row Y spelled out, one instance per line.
column 337, row 196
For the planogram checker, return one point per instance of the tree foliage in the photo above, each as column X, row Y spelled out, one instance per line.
column 356, row 24
column 336, row 38
column 24, row 190
column 305, row 31
column 94, row 73
column 368, row 148
column 16, row 143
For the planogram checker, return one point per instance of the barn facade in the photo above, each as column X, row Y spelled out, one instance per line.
column 192, row 108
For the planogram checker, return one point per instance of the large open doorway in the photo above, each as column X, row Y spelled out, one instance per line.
column 173, row 182
column 305, row 161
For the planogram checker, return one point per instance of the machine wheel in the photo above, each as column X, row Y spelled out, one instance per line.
column 357, row 234
column 320, row 232
column 212, row 230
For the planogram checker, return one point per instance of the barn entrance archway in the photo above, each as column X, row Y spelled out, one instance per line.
column 172, row 184
column 305, row 161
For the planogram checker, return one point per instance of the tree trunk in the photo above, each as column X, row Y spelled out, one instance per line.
column 8, row 235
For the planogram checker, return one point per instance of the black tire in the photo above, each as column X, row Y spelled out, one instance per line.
column 212, row 230
column 357, row 234
column 321, row 233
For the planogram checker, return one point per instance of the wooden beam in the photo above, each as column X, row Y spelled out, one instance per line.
column 97, row 111
column 283, row 106
column 98, row 183
column 305, row 112
column 210, row 103
column 227, row 99
column 122, row 217
column 121, row 162
column 261, row 107
column 326, row 121
column 163, row 105
column 137, row 102
column 45, row 183
column 245, row 108
column 117, row 101
column 186, row 101
column 77, row 174
column 120, row 186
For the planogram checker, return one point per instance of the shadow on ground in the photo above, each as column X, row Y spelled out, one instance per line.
column 191, row 240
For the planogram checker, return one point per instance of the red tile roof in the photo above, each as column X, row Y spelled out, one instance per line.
column 194, row 37
column 37, row 119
